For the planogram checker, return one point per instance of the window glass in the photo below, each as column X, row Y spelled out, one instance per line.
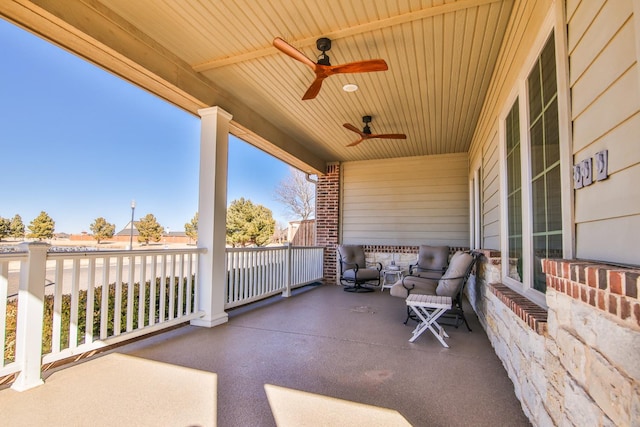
column 535, row 93
column 514, row 190
column 552, row 135
column 546, row 206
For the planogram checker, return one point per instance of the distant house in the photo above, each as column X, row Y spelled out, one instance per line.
column 126, row 231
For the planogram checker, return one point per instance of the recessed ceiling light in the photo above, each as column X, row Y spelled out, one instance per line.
column 350, row 87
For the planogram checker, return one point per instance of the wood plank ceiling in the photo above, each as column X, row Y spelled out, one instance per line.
column 440, row 53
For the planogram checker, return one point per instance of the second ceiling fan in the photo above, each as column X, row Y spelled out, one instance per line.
column 366, row 132
column 323, row 67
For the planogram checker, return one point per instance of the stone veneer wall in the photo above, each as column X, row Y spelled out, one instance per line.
column 575, row 363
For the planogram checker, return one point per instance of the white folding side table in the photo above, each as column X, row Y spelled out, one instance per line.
column 429, row 308
column 395, row 274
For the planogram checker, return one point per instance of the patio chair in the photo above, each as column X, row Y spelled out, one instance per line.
column 432, row 262
column 354, row 272
column 451, row 284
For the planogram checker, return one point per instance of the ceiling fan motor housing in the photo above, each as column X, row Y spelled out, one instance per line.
column 366, row 120
column 323, row 44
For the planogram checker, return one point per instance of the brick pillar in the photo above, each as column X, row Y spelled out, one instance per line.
column 327, row 218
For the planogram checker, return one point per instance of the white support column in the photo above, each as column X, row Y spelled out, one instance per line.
column 212, row 211
column 30, row 315
column 287, row 290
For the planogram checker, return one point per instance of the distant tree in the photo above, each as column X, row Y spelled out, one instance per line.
column 42, row 227
column 102, row 229
column 297, row 194
column 249, row 224
column 191, row 228
column 5, row 227
column 17, row 227
column 149, row 229
column 280, row 233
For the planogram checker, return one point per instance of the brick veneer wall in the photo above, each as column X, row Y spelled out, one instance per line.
column 610, row 289
column 328, row 218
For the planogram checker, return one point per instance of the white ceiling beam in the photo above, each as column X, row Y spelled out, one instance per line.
column 347, row 32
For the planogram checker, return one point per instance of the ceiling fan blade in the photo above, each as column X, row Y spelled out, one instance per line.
column 360, row 66
column 287, row 49
column 314, row 89
column 353, row 129
column 390, row 136
column 356, row 142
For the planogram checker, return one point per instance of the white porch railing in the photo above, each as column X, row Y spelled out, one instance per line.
column 257, row 273
column 70, row 303
column 90, row 299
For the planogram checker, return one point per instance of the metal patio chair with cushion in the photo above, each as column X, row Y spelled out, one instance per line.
column 451, row 284
column 432, row 262
column 354, row 272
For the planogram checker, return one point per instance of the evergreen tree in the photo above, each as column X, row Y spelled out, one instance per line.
column 149, row 229
column 5, row 227
column 16, row 229
column 249, row 224
column 42, row 227
column 191, row 228
column 102, row 229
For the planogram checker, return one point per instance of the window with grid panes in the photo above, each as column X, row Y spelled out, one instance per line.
column 514, row 193
column 544, row 163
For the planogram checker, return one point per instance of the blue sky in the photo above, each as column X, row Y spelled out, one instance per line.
column 80, row 143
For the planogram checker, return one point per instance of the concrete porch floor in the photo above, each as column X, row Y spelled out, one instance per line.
column 322, row 357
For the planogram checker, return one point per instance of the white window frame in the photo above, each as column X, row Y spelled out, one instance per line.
column 475, row 211
column 554, row 22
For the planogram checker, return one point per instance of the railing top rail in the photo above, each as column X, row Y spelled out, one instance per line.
column 272, row 248
column 124, row 252
column 256, row 249
column 13, row 256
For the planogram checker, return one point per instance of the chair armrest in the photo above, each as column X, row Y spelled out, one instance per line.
column 376, row 265
column 349, row 265
column 415, row 268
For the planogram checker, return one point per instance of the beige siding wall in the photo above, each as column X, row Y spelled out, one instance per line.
column 521, row 33
column 605, row 112
column 491, row 195
column 406, row 201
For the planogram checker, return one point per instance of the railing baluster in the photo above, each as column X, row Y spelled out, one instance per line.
column 91, row 283
column 104, row 304
column 142, row 291
column 73, row 317
column 180, row 285
column 130, row 292
column 4, row 290
column 172, row 287
column 152, row 290
column 57, row 307
column 117, row 305
column 163, row 289
column 188, row 309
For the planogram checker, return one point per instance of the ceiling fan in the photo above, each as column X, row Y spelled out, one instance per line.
column 366, row 132
column 323, row 67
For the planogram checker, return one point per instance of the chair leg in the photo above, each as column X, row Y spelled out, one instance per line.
column 410, row 316
column 357, row 288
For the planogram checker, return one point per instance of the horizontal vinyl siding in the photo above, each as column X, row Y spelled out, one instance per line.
column 491, row 195
column 407, row 201
column 525, row 24
column 606, row 116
